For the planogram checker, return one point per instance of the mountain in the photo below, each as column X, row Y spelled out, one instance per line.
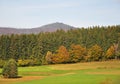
column 46, row 28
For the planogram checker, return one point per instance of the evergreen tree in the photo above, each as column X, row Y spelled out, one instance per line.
column 10, row 69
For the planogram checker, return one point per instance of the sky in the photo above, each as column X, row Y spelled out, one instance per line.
column 78, row 13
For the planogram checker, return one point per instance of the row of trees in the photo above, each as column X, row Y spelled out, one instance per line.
column 31, row 49
column 78, row 53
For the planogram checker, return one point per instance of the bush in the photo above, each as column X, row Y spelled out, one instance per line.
column 10, row 69
column 29, row 62
column 23, row 63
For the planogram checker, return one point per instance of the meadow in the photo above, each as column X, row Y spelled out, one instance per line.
column 106, row 72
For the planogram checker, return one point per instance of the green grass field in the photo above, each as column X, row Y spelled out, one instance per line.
column 80, row 73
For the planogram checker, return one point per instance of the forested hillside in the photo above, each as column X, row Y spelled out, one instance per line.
column 75, row 45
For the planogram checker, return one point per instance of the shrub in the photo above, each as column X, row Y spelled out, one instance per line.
column 23, row 63
column 29, row 62
column 10, row 69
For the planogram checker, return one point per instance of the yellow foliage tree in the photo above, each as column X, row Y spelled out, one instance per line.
column 49, row 57
column 95, row 53
column 110, row 54
column 77, row 53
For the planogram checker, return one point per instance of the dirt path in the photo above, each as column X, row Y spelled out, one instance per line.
column 25, row 78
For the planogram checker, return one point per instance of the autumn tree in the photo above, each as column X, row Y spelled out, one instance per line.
column 49, row 57
column 95, row 53
column 62, row 55
column 112, row 52
column 77, row 53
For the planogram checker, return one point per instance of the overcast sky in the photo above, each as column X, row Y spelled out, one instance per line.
column 78, row 13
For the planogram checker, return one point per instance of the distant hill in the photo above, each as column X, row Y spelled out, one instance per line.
column 46, row 28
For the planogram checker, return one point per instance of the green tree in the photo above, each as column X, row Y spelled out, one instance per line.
column 4, row 47
column 10, row 69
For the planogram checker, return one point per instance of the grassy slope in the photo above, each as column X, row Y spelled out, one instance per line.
column 79, row 73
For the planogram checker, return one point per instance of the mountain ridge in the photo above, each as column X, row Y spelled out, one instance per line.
column 45, row 28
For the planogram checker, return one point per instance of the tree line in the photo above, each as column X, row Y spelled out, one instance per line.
column 75, row 45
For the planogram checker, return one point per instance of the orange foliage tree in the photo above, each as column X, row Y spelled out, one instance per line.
column 62, row 55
